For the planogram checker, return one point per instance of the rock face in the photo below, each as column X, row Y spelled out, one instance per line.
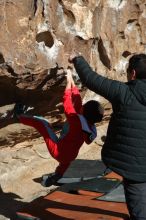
column 37, row 37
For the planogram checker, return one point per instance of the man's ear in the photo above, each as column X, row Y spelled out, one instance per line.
column 133, row 75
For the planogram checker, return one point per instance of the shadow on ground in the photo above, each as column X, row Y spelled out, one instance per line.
column 9, row 204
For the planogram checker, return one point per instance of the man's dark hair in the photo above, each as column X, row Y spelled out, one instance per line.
column 138, row 63
column 93, row 111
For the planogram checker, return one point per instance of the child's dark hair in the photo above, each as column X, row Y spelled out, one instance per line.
column 93, row 111
column 138, row 63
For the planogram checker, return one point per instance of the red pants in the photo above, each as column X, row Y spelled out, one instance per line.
column 52, row 141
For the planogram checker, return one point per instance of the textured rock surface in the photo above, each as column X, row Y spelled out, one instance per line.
column 38, row 35
column 36, row 39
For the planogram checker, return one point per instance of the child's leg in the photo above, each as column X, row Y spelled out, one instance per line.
column 39, row 123
column 44, row 129
column 62, row 167
column 51, row 179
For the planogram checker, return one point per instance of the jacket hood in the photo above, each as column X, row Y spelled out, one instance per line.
column 138, row 88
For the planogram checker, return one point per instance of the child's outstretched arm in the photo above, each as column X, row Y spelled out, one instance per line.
column 72, row 99
column 76, row 98
column 70, row 82
column 67, row 97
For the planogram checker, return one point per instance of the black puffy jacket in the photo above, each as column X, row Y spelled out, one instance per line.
column 124, row 150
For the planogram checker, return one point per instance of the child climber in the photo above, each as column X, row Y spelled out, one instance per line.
column 81, row 128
